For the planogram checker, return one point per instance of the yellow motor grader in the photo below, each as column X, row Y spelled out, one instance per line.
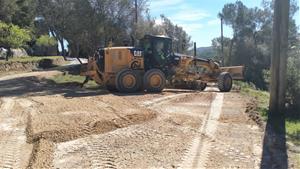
column 153, row 65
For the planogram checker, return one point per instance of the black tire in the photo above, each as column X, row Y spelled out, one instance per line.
column 197, row 86
column 128, row 81
column 203, row 86
column 111, row 88
column 158, row 82
column 225, row 82
column 193, row 86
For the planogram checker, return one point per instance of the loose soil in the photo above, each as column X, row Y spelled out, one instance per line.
column 59, row 119
column 46, row 126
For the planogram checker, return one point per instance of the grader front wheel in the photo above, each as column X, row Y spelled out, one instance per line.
column 225, row 82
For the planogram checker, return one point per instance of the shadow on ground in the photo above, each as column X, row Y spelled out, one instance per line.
column 34, row 86
column 274, row 145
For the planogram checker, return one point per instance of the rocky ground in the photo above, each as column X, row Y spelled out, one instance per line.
column 48, row 126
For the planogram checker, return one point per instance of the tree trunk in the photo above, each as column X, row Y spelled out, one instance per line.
column 279, row 58
column 77, row 50
column 230, row 50
column 8, row 54
column 63, row 52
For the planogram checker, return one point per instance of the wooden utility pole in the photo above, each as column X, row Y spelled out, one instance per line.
column 195, row 49
column 135, row 25
column 222, row 40
column 279, row 58
column 136, row 11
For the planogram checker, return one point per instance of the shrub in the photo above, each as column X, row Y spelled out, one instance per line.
column 46, row 41
column 293, row 80
column 12, row 36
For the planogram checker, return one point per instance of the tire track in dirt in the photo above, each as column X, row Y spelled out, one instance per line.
column 198, row 153
column 9, row 156
column 97, row 149
column 97, row 154
column 15, row 152
column 204, row 147
column 163, row 100
column 100, row 155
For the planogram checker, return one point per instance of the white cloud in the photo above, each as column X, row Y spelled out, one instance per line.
column 190, row 15
column 158, row 21
column 191, row 27
column 213, row 22
column 178, row 11
column 154, row 4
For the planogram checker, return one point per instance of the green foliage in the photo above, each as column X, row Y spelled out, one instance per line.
column 61, row 79
column 246, row 47
column 293, row 78
column 18, row 12
column 11, row 36
column 7, row 10
column 293, row 130
column 181, row 40
column 46, row 40
column 252, row 38
column 89, row 25
column 217, row 46
column 25, row 14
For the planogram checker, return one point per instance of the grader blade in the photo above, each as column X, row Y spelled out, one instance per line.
column 91, row 70
column 236, row 72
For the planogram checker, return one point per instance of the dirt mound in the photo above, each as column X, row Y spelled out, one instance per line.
column 155, row 144
column 59, row 119
column 234, row 104
column 253, row 114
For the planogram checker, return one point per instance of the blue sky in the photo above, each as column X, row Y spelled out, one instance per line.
column 198, row 17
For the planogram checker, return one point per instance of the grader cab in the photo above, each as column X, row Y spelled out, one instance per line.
column 153, row 65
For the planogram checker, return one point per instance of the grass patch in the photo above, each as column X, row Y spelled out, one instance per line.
column 293, row 126
column 293, row 131
column 292, row 123
column 29, row 59
column 68, row 79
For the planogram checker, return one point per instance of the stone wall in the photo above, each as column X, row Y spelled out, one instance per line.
column 15, row 53
column 19, row 53
column 29, row 66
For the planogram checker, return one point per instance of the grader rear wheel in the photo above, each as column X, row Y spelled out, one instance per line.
column 154, row 80
column 128, row 81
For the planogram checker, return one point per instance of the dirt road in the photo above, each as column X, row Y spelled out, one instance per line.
column 48, row 126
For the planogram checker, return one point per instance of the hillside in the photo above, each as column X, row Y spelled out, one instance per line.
column 205, row 52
